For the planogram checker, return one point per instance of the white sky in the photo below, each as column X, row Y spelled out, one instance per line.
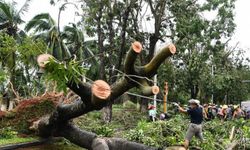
column 242, row 13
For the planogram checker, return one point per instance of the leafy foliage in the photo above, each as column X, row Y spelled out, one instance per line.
column 64, row 72
column 172, row 132
column 7, row 133
column 18, row 61
column 105, row 131
column 131, row 124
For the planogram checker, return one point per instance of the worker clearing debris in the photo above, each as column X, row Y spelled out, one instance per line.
column 196, row 115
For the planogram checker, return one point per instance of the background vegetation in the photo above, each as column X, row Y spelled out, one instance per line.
column 94, row 48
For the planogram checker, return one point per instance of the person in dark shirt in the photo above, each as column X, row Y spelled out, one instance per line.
column 196, row 116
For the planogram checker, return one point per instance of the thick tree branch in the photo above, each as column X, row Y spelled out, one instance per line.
column 97, row 96
column 81, row 89
column 77, row 136
column 150, row 69
column 148, row 90
column 131, row 56
column 90, row 141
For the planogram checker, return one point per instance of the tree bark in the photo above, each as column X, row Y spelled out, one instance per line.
column 194, row 91
column 107, row 113
column 92, row 142
column 58, row 123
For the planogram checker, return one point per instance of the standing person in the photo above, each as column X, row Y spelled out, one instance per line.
column 213, row 111
column 206, row 109
column 196, row 116
column 152, row 113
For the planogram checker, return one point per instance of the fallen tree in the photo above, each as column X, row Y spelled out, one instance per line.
column 95, row 96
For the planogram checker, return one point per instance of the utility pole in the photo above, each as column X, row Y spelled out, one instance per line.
column 165, row 98
column 212, row 98
column 155, row 83
column 155, row 96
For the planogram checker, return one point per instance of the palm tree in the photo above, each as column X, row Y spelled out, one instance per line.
column 74, row 39
column 10, row 18
column 44, row 27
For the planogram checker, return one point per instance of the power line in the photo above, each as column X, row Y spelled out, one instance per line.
column 133, row 94
column 245, row 81
column 146, row 97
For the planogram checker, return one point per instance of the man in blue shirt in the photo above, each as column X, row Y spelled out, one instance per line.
column 196, row 116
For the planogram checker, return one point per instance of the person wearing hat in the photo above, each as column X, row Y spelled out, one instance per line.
column 238, row 113
column 152, row 112
column 196, row 116
column 222, row 113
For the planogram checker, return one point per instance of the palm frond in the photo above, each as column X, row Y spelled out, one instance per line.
column 5, row 8
column 24, row 8
column 40, row 22
column 43, row 26
column 8, row 13
column 4, row 25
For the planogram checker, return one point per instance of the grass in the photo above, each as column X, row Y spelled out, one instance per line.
column 63, row 145
column 16, row 140
column 125, row 117
column 129, row 123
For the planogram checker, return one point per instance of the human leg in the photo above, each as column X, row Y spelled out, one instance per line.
column 190, row 133
column 199, row 134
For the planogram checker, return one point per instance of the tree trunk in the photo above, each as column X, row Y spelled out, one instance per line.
column 194, row 91
column 107, row 113
column 92, row 142
column 107, row 110
column 96, row 96
column 143, row 105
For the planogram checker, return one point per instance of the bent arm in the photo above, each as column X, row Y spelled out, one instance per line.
column 182, row 110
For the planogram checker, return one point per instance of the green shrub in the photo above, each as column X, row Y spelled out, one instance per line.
column 135, row 135
column 104, row 131
column 172, row 132
column 8, row 133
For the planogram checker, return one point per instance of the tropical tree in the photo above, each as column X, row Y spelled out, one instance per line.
column 44, row 27
column 10, row 18
column 200, row 40
column 74, row 39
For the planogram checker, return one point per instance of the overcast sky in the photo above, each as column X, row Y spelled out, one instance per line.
column 242, row 18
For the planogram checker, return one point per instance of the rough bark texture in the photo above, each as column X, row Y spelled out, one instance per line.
column 58, row 123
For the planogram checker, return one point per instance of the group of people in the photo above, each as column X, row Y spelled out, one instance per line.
column 224, row 112
column 198, row 113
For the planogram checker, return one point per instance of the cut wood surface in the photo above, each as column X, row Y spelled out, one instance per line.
column 100, row 90
column 137, row 47
column 150, row 90
column 43, row 59
column 97, row 95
